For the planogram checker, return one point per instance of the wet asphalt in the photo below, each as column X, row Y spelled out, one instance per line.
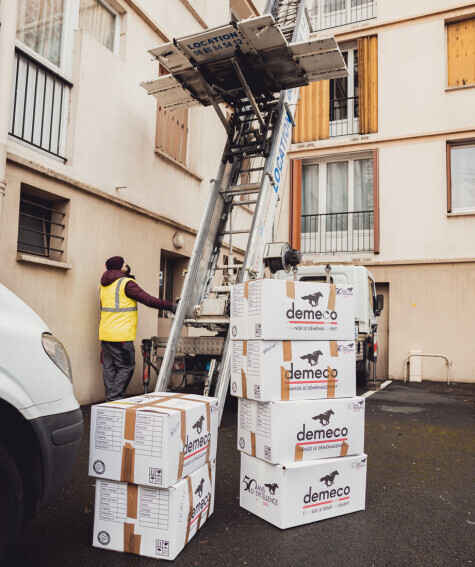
column 420, row 499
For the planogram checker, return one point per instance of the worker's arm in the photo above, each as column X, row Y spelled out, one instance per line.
column 134, row 291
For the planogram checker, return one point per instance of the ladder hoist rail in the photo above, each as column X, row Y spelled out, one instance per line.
column 253, row 67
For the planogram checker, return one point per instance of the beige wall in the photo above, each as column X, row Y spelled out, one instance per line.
column 430, row 310
column 412, row 82
column 68, row 300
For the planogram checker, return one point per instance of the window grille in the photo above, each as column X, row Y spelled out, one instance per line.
column 326, row 14
column 41, row 227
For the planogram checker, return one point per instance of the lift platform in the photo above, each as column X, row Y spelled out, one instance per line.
column 230, row 62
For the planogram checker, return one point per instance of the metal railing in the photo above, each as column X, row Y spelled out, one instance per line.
column 325, row 14
column 344, row 116
column 447, row 362
column 39, row 105
column 338, row 232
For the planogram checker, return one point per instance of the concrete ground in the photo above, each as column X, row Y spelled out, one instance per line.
column 419, row 502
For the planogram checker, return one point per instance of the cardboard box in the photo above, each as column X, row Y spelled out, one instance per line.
column 284, row 432
column 286, row 310
column 301, row 493
column 293, row 370
column 154, row 439
column 155, row 522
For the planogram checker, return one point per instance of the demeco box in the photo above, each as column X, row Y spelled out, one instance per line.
column 301, row 493
column 154, row 439
column 293, row 370
column 155, row 522
column 292, row 310
column 282, row 432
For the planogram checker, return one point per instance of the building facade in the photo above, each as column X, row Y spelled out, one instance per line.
column 383, row 172
column 91, row 167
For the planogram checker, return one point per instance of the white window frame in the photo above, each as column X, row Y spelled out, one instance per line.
column 454, row 145
column 350, row 125
column 336, row 236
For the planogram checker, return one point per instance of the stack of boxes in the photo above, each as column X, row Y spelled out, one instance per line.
column 301, row 426
column 154, row 460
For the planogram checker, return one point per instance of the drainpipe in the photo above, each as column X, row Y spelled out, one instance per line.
column 8, row 17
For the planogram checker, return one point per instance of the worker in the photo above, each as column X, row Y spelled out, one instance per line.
column 119, row 295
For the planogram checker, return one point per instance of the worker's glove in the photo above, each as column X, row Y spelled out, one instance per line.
column 174, row 308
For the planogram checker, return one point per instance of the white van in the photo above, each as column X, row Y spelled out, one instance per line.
column 41, row 423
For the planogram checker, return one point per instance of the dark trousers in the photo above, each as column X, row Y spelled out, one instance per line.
column 118, row 364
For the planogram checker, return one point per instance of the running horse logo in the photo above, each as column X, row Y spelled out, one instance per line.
column 313, row 298
column 313, row 357
column 199, row 490
column 199, row 425
column 324, row 418
column 272, row 488
column 329, row 479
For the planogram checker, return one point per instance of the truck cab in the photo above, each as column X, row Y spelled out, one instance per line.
column 41, row 422
column 368, row 307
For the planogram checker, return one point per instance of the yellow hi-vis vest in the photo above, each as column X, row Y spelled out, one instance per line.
column 118, row 313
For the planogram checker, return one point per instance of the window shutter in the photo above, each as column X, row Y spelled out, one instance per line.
column 461, row 53
column 313, row 113
column 172, row 131
column 368, row 84
column 296, row 203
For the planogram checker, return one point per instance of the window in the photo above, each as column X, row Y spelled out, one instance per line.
column 333, row 13
column 98, row 20
column 40, row 101
column 461, row 176
column 343, row 106
column 337, row 205
column 40, row 27
column 42, row 224
column 371, row 295
column 344, row 102
column 43, row 65
column 460, row 53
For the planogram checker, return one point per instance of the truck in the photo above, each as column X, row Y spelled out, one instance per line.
column 41, row 422
column 368, row 307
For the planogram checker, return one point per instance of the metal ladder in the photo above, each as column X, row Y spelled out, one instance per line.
column 258, row 136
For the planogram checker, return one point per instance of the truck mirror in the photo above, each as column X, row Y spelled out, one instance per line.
column 379, row 304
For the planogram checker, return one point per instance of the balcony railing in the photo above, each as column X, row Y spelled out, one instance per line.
column 338, row 232
column 327, row 14
column 39, row 105
column 344, row 116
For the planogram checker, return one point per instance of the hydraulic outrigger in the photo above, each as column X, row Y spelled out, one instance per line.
column 255, row 67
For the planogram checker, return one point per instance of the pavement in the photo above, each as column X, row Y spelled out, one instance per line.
column 419, row 500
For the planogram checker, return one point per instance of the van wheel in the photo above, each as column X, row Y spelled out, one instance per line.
column 12, row 507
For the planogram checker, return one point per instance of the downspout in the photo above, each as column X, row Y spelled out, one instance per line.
column 8, row 17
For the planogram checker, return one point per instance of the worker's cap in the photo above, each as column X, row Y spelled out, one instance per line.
column 115, row 263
